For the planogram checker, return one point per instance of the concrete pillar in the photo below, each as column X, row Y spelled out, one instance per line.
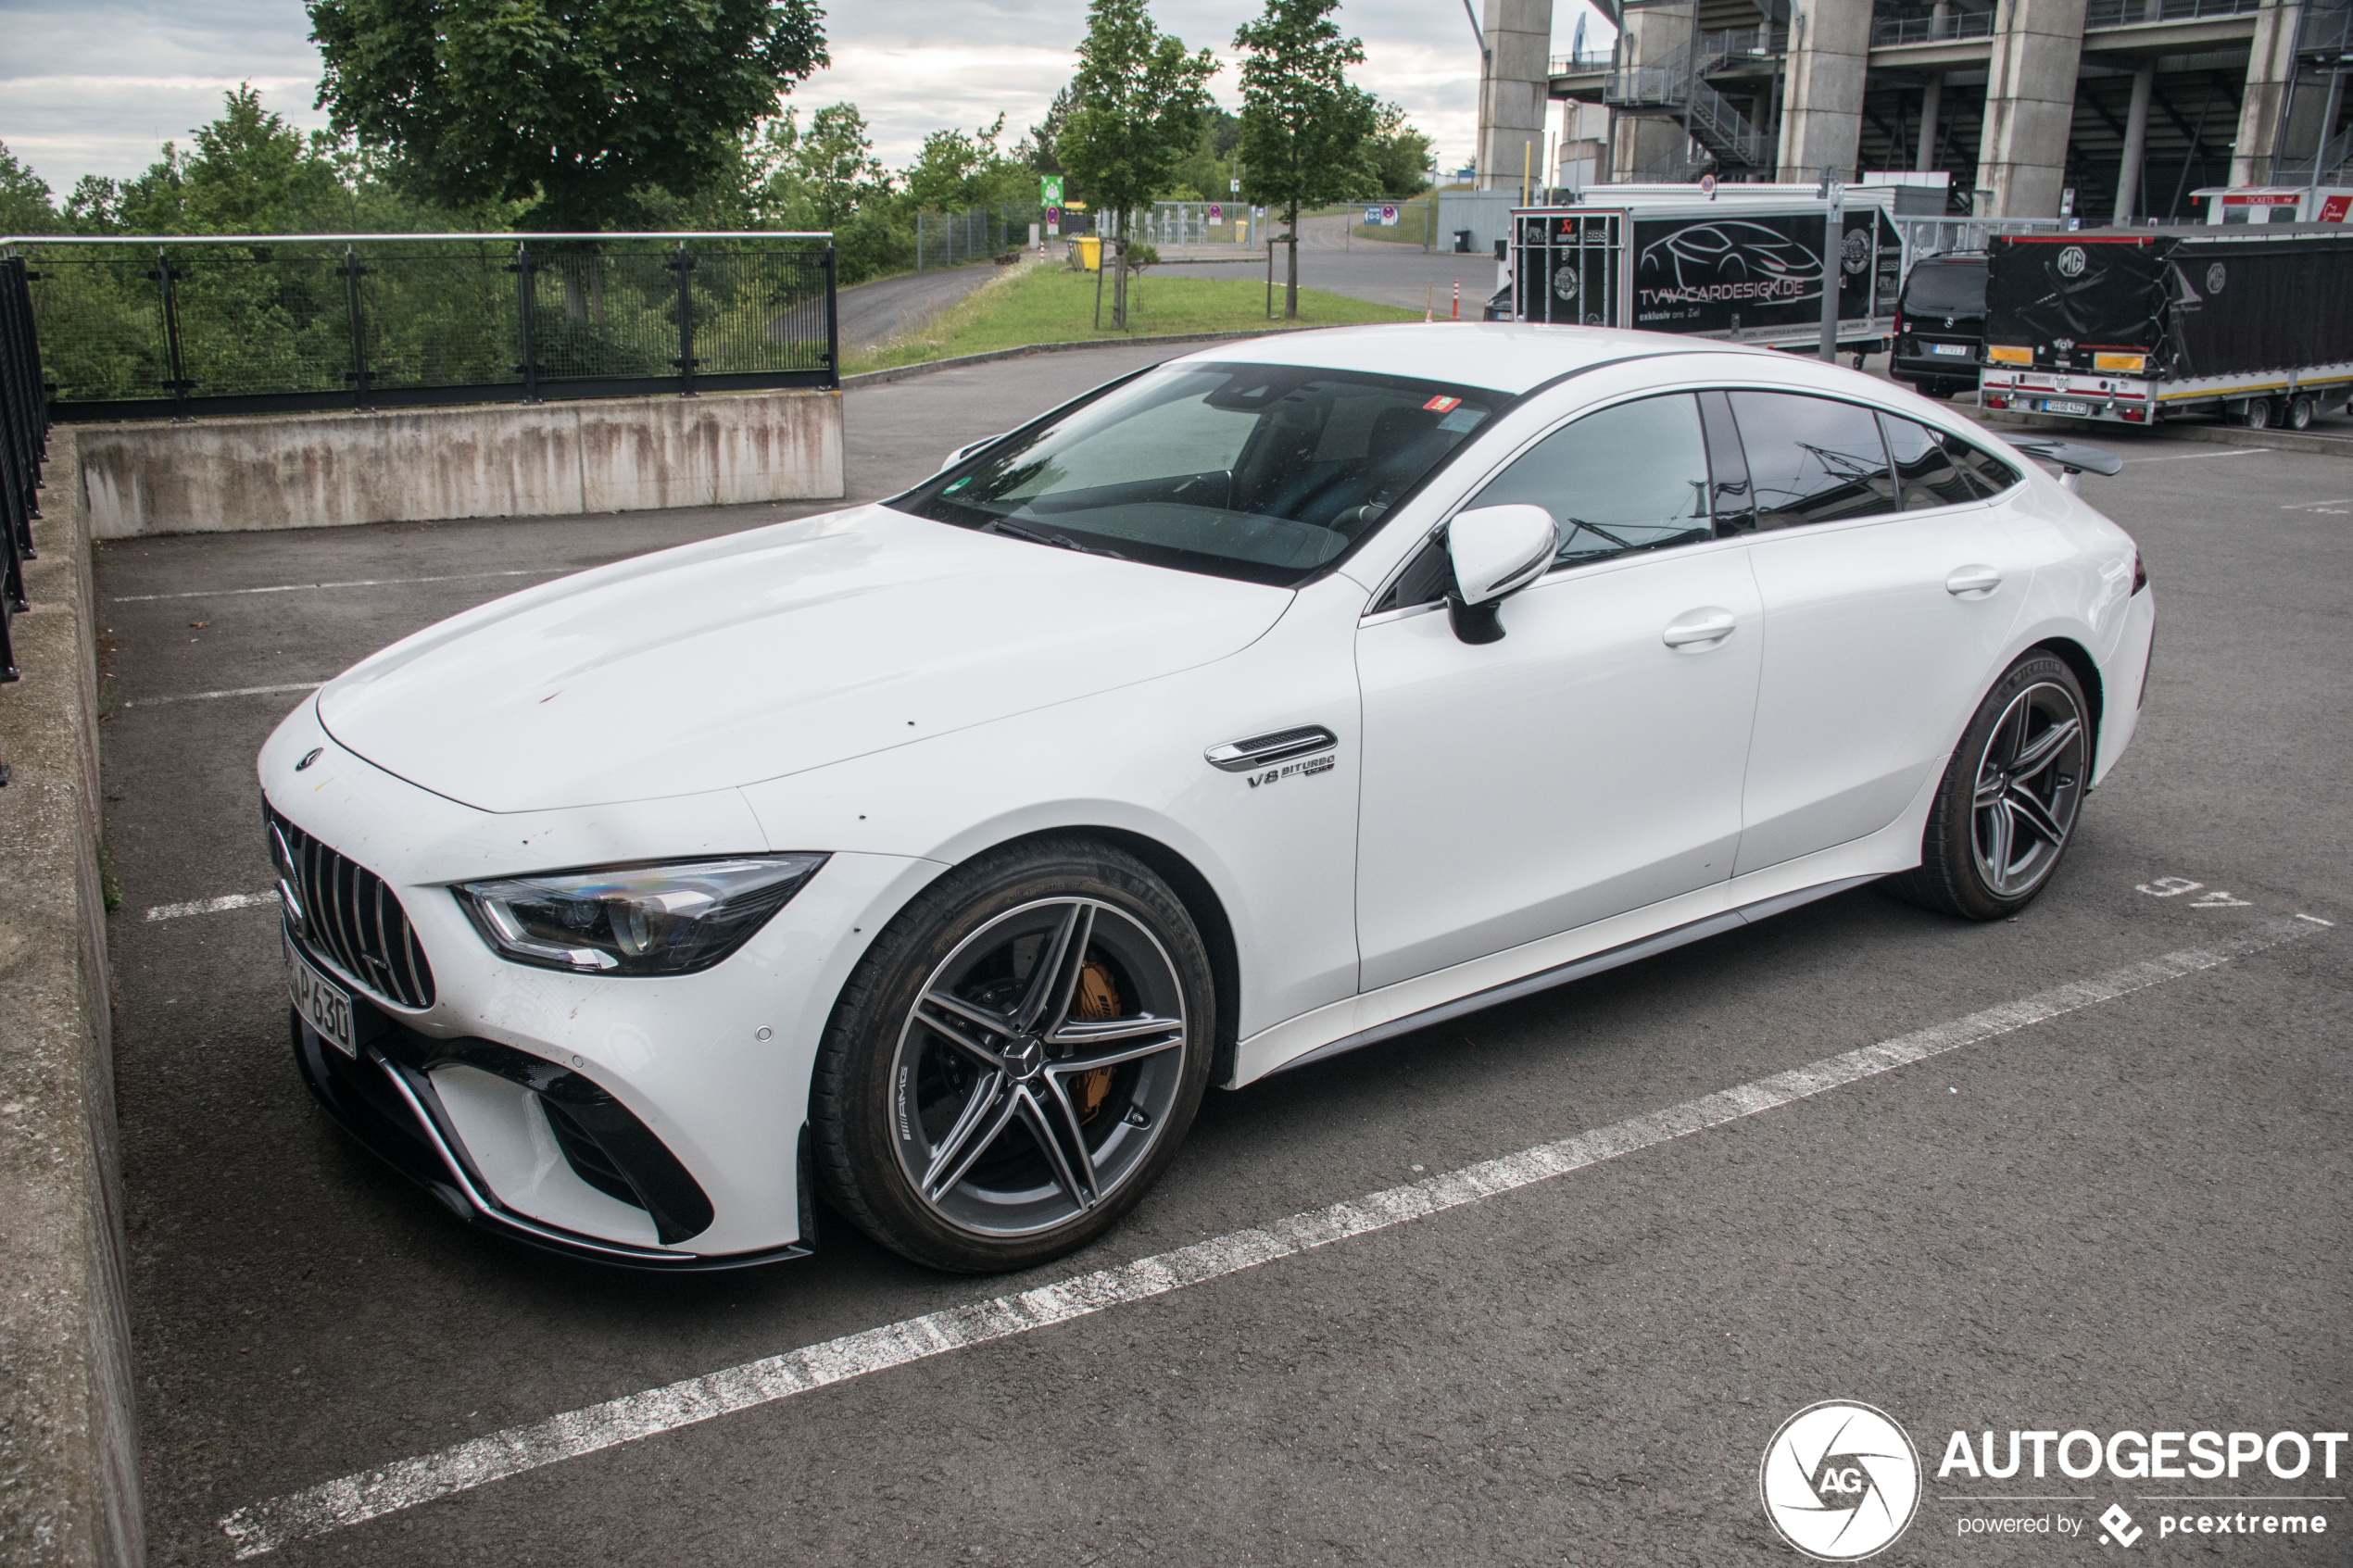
column 2136, row 138
column 1822, row 113
column 1654, row 37
column 2270, row 69
column 1932, row 107
column 1513, row 96
column 2030, row 107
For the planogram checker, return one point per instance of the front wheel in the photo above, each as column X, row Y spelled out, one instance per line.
column 1016, row 1059
column 2006, row 808
column 2257, row 415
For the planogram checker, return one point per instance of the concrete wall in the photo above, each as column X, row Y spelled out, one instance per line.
column 69, row 1447
column 540, row 459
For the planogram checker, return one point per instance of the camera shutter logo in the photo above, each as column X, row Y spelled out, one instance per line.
column 2215, row 276
column 1840, row 1481
column 2073, row 261
column 1564, row 282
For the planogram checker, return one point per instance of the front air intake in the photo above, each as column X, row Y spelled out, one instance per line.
column 344, row 914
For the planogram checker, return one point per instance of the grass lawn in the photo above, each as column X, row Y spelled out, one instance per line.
column 1050, row 304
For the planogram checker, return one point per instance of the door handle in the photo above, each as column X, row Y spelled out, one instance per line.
column 1697, row 627
column 1972, row 582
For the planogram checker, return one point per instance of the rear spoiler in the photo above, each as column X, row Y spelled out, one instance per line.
column 2067, row 455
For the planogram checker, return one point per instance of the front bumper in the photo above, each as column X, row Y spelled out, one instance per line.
column 711, row 1069
column 387, row 1099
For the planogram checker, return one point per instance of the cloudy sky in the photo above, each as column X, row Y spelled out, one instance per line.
column 96, row 87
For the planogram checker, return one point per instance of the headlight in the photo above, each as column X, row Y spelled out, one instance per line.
column 672, row 919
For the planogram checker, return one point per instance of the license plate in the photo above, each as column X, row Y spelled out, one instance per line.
column 1959, row 350
column 2063, row 406
column 323, row 1005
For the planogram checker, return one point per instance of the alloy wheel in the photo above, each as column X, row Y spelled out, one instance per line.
column 2030, row 781
column 1038, row 1068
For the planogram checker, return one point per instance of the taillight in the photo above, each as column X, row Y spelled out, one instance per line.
column 2140, row 572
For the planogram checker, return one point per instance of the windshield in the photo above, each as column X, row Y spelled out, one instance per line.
column 1264, row 472
column 1945, row 288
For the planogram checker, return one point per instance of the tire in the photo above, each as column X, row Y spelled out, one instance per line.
column 2257, row 415
column 1998, row 830
column 1016, row 1059
column 2299, row 414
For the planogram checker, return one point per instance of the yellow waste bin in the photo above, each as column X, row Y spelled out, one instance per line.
column 1090, row 252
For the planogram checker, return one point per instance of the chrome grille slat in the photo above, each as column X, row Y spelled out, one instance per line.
column 356, row 921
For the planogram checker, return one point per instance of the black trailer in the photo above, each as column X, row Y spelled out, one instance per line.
column 1745, row 270
column 2131, row 326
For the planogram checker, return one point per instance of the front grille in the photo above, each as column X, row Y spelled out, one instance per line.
column 350, row 918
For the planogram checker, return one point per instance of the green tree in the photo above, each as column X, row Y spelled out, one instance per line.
column 826, row 176
column 578, row 107
column 1140, row 98
column 954, row 172
column 1396, row 156
column 1304, row 125
column 253, row 174
column 25, row 208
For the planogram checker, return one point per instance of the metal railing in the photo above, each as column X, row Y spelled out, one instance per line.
column 24, row 434
column 2131, row 13
column 2325, row 30
column 1942, row 236
column 1720, row 127
column 179, row 326
column 1585, row 64
column 2323, row 167
column 1927, row 26
column 1721, row 47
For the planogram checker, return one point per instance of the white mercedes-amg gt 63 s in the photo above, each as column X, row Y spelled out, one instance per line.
column 935, row 856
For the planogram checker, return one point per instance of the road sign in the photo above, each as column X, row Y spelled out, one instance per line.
column 1233, row 187
column 1217, row 212
column 1054, row 215
column 1050, row 190
column 1385, row 215
column 1706, row 182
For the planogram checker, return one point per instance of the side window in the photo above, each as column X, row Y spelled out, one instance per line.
column 1812, row 459
column 1633, row 477
column 1987, row 472
column 1925, row 473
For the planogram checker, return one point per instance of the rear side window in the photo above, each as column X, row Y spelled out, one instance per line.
column 1632, row 477
column 1812, row 459
column 1987, row 472
column 1945, row 288
column 1925, row 473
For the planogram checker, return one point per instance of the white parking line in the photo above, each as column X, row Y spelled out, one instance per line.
column 370, row 1494
column 2192, row 457
column 211, row 906
column 355, row 582
column 233, row 691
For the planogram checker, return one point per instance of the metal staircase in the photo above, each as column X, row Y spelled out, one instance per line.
column 1681, row 92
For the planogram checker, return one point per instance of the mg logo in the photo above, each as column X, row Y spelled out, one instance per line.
column 2073, row 261
column 1840, row 1481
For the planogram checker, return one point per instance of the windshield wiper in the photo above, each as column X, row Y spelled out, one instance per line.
column 1060, row 541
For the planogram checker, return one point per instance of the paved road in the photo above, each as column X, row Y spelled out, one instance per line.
column 872, row 314
column 1374, row 270
column 2130, row 1216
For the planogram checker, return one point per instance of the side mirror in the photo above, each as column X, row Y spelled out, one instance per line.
column 1496, row 551
column 960, row 453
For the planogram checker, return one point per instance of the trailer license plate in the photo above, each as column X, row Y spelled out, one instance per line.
column 2064, row 406
column 1959, row 350
column 323, row 1005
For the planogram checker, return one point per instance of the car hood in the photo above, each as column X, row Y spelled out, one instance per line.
column 768, row 653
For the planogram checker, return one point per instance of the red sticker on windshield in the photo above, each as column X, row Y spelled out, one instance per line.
column 1442, row 405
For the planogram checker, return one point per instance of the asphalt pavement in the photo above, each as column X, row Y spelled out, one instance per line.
column 872, row 314
column 2131, row 1214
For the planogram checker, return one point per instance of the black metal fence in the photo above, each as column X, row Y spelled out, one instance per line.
column 24, row 434
column 180, row 327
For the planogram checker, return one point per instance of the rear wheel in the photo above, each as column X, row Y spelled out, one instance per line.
column 1016, row 1059
column 2299, row 414
column 2257, row 415
column 2007, row 808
